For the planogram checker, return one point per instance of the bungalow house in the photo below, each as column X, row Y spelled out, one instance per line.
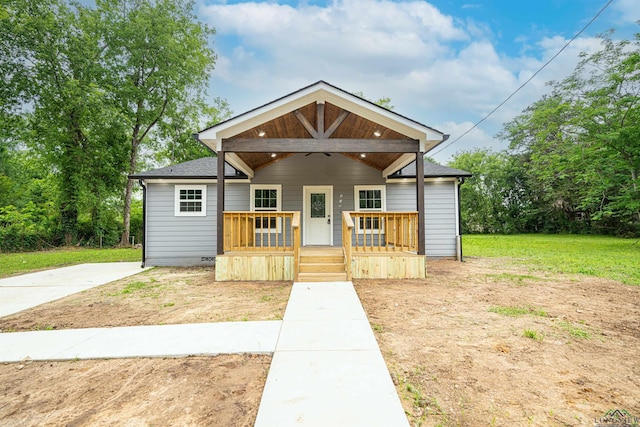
column 317, row 185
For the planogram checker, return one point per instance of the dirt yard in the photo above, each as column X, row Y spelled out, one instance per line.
column 490, row 343
column 486, row 342
column 196, row 391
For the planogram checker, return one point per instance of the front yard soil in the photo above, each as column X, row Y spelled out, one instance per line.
column 489, row 342
column 485, row 342
column 156, row 297
column 197, row 391
column 193, row 391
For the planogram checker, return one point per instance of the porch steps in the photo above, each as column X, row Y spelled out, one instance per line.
column 321, row 264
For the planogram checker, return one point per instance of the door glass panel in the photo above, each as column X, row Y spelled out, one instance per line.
column 317, row 205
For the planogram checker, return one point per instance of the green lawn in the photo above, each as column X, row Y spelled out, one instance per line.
column 32, row 261
column 608, row 257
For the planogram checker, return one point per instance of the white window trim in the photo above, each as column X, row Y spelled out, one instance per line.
column 356, row 202
column 278, row 208
column 177, row 200
column 254, row 187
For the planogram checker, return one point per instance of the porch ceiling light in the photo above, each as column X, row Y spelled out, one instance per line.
column 273, row 155
column 363, row 155
column 261, row 133
column 377, row 133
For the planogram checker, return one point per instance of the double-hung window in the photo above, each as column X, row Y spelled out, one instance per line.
column 266, row 198
column 190, row 200
column 369, row 198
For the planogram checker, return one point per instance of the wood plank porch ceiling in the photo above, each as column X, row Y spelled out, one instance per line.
column 335, row 123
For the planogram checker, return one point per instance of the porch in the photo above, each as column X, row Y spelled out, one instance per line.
column 267, row 246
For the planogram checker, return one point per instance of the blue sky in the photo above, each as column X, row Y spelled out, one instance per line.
column 444, row 63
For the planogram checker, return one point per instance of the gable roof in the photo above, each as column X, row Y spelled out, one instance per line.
column 204, row 168
column 315, row 93
column 431, row 170
column 295, row 117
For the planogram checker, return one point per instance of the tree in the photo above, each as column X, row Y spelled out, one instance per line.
column 51, row 64
column 156, row 60
column 580, row 145
column 384, row 102
column 174, row 142
column 606, row 89
column 492, row 199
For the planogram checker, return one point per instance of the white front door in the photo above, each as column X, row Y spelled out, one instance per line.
column 318, row 221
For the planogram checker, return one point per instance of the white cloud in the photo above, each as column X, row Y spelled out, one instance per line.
column 629, row 10
column 476, row 138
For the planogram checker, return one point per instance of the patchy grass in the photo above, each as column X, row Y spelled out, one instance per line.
column 575, row 331
column 517, row 279
column 512, row 311
column 27, row 262
column 534, row 335
column 600, row 256
column 422, row 406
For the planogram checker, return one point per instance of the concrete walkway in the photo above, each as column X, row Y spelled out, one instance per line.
column 197, row 339
column 29, row 290
column 327, row 369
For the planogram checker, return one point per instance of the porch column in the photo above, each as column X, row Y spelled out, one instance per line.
column 420, row 199
column 220, row 206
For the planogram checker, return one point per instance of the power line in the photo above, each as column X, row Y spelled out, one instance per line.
column 527, row 81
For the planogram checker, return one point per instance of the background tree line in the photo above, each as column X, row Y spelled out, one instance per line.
column 573, row 158
column 89, row 95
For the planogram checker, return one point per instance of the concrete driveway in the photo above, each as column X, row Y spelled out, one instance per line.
column 29, row 290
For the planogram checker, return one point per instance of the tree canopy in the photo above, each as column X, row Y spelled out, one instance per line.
column 83, row 89
column 574, row 154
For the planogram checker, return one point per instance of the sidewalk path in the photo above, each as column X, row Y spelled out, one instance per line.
column 196, row 339
column 327, row 369
column 29, row 290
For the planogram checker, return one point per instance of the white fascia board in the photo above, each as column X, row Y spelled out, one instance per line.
column 400, row 180
column 179, row 181
column 195, row 181
column 213, row 137
column 236, row 162
column 402, row 161
column 319, row 93
column 381, row 116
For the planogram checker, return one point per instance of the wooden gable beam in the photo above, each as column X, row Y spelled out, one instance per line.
column 337, row 122
column 308, row 126
column 322, row 145
column 320, row 113
column 320, row 133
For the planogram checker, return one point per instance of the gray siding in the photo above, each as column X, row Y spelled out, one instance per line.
column 440, row 213
column 440, row 218
column 178, row 240
column 299, row 170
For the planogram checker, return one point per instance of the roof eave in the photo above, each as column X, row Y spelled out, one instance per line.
column 320, row 91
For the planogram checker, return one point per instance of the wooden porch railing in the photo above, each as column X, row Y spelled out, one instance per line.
column 295, row 224
column 382, row 231
column 262, row 231
column 347, row 232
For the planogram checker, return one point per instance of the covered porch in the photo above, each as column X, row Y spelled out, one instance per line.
column 267, row 246
column 334, row 127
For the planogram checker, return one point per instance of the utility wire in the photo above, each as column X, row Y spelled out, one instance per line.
column 526, row 82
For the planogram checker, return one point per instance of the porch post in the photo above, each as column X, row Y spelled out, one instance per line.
column 420, row 199
column 220, row 206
